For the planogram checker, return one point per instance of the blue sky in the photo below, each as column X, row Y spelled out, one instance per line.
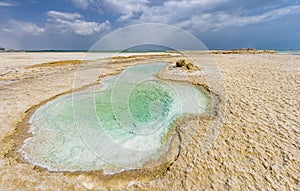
column 219, row 24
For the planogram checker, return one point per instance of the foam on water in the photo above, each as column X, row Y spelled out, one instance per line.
column 119, row 126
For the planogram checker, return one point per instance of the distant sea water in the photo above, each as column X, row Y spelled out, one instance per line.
column 289, row 51
column 96, row 51
column 281, row 51
column 100, row 51
column 134, row 49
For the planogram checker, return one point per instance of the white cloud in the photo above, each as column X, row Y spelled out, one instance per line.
column 205, row 15
column 61, row 30
column 196, row 4
column 63, row 15
column 83, row 4
column 170, row 12
column 20, row 28
column 197, row 16
column 200, row 15
column 125, row 7
column 7, row 4
column 128, row 9
column 130, row 16
column 88, row 28
column 57, row 22
column 61, row 22
column 78, row 27
column 220, row 20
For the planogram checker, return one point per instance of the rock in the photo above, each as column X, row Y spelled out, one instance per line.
column 180, row 63
column 190, row 66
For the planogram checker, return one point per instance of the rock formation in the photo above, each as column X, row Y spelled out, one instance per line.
column 182, row 63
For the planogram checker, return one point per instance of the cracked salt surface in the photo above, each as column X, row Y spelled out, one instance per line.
column 119, row 126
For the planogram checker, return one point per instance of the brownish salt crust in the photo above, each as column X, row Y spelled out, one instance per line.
column 150, row 170
column 257, row 146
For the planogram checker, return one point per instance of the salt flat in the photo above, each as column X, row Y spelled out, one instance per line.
column 256, row 147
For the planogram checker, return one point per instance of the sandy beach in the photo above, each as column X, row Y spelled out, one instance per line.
column 256, row 145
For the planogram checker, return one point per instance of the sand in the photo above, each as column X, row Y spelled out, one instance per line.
column 256, row 142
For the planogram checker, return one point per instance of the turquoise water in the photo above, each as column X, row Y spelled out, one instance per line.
column 287, row 50
column 295, row 52
column 117, row 125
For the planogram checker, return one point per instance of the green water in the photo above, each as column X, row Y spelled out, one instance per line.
column 149, row 101
column 119, row 124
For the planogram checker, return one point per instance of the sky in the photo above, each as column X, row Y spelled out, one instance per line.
column 219, row 24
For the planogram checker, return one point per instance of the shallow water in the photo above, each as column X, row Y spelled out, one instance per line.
column 117, row 125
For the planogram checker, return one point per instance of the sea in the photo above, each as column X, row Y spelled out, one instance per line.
column 281, row 51
column 289, row 51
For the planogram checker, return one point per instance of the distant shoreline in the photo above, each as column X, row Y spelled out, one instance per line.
column 295, row 52
column 105, row 51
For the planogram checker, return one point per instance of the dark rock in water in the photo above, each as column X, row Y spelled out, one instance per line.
column 181, row 63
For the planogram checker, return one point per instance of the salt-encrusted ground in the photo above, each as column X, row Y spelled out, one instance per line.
column 257, row 147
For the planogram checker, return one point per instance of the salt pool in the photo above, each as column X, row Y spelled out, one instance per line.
column 120, row 124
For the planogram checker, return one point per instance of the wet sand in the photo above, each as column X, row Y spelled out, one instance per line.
column 256, row 144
